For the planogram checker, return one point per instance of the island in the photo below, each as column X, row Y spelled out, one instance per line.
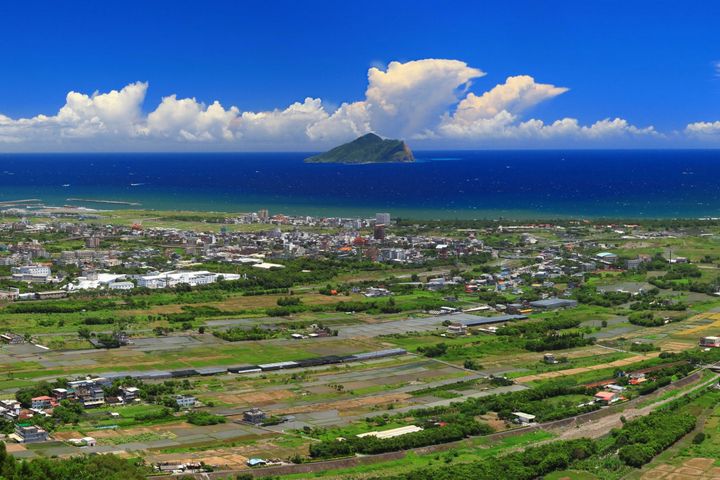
column 369, row 148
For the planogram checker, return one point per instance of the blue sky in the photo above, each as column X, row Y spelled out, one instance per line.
column 650, row 64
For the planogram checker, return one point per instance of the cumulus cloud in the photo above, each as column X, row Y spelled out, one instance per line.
column 429, row 101
column 401, row 100
column 100, row 115
column 703, row 129
column 188, row 119
column 514, row 96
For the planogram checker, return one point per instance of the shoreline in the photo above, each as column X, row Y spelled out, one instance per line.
column 110, row 202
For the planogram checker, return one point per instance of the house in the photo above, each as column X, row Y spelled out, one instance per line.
column 606, row 398
column 607, row 257
column 10, row 294
column 26, row 433
column 83, row 442
column 43, row 402
column 523, row 418
column 633, row 264
column 377, row 292
column 59, row 393
column 12, row 338
column 710, row 342
column 10, row 410
column 185, row 401
column 550, row 359
column 456, row 328
column 449, row 310
column 129, row 394
column 255, row 416
column 637, row 378
column 615, row 388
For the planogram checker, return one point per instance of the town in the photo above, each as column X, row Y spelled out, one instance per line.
column 268, row 345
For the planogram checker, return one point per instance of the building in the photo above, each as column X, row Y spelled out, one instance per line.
column 129, row 394
column 121, row 286
column 31, row 273
column 550, row 359
column 92, row 242
column 9, row 295
column 377, row 292
column 83, row 442
column 633, row 263
column 379, row 232
column 174, row 278
column 553, row 303
column 10, row 409
column 59, row 393
column 606, row 398
column 43, row 402
column 382, row 219
column 607, row 257
column 523, row 418
column 185, row 401
column 456, row 328
column 12, row 338
column 392, row 433
column 710, row 342
column 26, row 433
column 254, row 416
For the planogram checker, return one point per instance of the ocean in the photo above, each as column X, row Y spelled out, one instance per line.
column 440, row 184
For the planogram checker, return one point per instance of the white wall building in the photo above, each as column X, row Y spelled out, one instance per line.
column 174, row 278
column 185, row 401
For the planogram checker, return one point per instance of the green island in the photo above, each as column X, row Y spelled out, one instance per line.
column 369, row 148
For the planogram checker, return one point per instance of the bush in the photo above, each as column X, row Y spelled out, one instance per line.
column 288, row 301
column 433, row 435
column 436, row 350
column 204, row 418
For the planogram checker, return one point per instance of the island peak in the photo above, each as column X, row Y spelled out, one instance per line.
column 369, row 148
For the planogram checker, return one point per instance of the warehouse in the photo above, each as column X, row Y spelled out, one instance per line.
column 553, row 304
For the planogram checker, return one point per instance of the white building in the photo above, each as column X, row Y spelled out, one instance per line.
column 382, row 218
column 185, row 401
column 98, row 280
column 174, row 278
column 31, row 273
column 121, row 286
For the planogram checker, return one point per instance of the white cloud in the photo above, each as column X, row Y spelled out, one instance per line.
column 189, row 120
column 409, row 97
column 504, row 126
column 428, row 101
column 400, row 101
column 100, row 115
column 288, row 126
column 703, row 129
column 516, row 95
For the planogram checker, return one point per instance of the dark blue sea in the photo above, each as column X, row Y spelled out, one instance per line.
column 452, row 184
